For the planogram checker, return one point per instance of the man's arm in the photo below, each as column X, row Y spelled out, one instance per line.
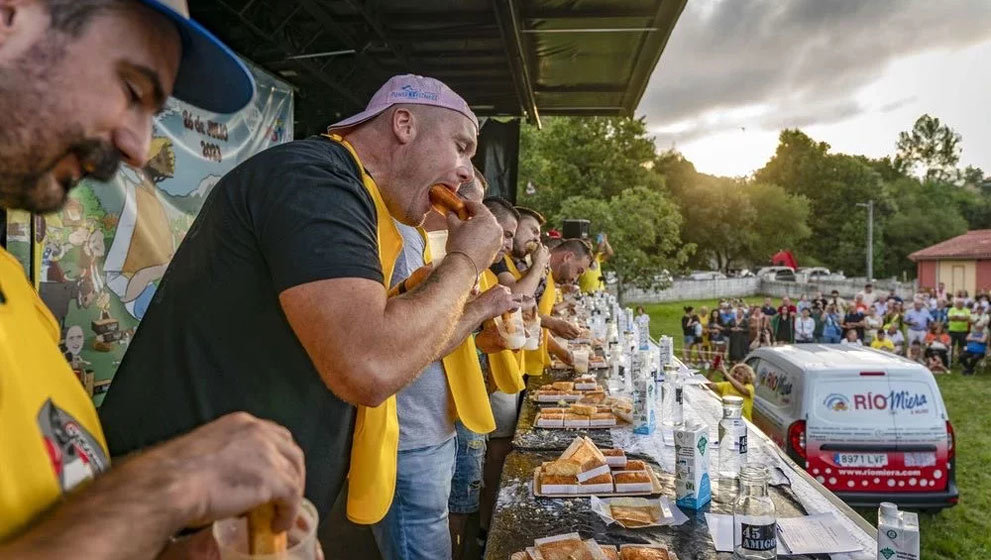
column 491, row 303
column 366, row 346
column 220, row 470
column 527, row 285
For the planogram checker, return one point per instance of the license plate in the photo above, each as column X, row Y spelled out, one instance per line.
column 861, row 459
column 920, row 459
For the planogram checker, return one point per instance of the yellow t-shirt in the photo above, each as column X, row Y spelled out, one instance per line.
column 885, row 344
column 724, row 388
column 50, row 436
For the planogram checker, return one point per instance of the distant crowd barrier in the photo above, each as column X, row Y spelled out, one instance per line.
column 682, row 290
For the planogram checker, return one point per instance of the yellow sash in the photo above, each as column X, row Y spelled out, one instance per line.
column 465, row 379
column 372, row 478
column 545, row 306
column 504, row 366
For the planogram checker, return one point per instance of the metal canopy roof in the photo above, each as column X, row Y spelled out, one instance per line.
column 506, row 57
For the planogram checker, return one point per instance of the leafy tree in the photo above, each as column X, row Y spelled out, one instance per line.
column 596, row 157
column 644, row 230
column 780, row 221
column 930, row 146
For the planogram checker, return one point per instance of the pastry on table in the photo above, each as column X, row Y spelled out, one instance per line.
column 602, row 419
column 555, row 484
column 553, row 410
column 636, row 552
column 561, row 468
column 608, row 550
column 635, row 465
column 582, row 409
column 634, row 516
column 575, row 421
column 615, row 457
column 601, row 484
column 564, row 385
column 632, row 481
column 572, row 548
column 584, row 452
column 549, row 420
column 593, row 397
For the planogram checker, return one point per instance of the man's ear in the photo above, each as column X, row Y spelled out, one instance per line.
column 403, row 124
column 20, row 15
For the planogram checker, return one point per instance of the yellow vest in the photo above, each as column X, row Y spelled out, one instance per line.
column 590, row 280
column 50, row 436
column 465, row 379
column 504, row 366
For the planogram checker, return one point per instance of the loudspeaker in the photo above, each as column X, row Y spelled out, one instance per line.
column 575, row 229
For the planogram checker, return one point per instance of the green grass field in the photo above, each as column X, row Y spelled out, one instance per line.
column 962, row 532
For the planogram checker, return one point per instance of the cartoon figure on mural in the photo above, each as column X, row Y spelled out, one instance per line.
column 143, row 243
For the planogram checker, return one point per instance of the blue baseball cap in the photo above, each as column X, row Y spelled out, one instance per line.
column 211, row 76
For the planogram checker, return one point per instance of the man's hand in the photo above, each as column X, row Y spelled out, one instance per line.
column 229, row 466
column 480, row 237
column 540, row 258
column 496, row 301
column 560, row 327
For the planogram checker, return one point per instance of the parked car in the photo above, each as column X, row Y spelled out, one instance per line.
column 868, row 425
column 817, row 273
column 779, row 273
column 706, row 275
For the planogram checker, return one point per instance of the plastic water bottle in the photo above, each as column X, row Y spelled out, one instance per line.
column 755, row 526
column 732, row 447
column 672, row 399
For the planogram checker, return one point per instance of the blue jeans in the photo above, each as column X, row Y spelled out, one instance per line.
column 466, row 487
column 415, row 528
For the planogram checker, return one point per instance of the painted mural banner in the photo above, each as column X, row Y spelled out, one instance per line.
column 98, row 261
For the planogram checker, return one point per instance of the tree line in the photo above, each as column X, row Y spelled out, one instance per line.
column 661, row 214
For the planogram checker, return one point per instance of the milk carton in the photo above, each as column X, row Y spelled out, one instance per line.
column 644, row 400
column 666, row 346
column 691, row 466
column 897, row 533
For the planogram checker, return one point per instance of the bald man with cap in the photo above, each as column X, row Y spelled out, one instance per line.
column 80, row 82
column 276, row 301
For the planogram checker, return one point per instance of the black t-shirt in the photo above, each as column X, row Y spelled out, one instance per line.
column 854, row 317
column 768, row 310
column 685, row 329
column 215, row 339
column 499, row 267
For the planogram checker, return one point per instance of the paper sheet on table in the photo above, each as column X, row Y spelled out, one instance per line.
column 668, row 514
column 721, row 529
column 815, row 534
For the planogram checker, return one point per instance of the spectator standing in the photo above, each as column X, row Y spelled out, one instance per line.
column 832, row 325
column 941, row 293
column 786, row 304
column 975, row 349
column 854, row 319
column 979, row 316
column 882, row 342
column 868, row 295
column 767, row 309
column 820, row 300
column 892, row 294
column 896, row 337
column 738, row 337
column 852, row 338
column 805, row 327
column 872, row 322
column 840, row 303
column 918, row 320
column 717, row 335
column 803, row 303
column 688, row 322
column 818, row 312
column 858, row 304
column 958, row 318
column 759, row 328
column 915, row 353
column 706, row 346
column 784, row 325
column 940, row 313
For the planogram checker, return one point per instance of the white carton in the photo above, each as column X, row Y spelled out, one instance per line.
column 691, row 466
column 897, row 533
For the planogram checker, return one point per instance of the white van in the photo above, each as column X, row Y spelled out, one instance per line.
column 868, row 425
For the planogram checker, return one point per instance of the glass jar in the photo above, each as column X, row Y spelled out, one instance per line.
column 732, row 447
column 755, row 528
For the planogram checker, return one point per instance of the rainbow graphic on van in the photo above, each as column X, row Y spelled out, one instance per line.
column 837, row 402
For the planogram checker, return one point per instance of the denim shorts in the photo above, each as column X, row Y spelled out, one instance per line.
column 689, row 339
column 466, row 486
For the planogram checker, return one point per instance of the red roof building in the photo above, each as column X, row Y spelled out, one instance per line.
column 961, row 263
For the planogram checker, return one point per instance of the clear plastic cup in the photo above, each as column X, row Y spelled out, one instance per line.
column 533, row 333
column 510, row 326
column 437, row 242
column 580, row 357
column 232, row 537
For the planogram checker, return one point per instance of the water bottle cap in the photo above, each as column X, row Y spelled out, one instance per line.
column 889, row 509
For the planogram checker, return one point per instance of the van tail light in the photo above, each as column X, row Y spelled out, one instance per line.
column 951, row 441
column 796, row 437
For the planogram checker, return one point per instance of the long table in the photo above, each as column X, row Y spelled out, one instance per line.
column 519, row 517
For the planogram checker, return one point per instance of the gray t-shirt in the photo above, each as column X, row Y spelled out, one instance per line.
column 424, row 419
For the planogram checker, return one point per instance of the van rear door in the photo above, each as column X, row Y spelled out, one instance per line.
column 877, row 431
column 850, row 432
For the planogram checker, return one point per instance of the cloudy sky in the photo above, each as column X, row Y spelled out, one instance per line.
column 852, row 73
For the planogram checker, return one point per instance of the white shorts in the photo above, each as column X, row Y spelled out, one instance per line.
column 914, row 335
column 504, row 409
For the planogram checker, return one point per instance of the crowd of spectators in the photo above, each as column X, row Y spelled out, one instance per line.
column 936, row 328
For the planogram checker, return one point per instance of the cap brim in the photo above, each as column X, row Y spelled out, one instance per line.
column 210, row 76
column 357, row 118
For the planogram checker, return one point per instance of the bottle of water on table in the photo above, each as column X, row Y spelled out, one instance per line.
column 732, row 448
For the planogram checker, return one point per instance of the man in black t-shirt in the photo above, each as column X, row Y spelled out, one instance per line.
column 855, row 319
column 274, row 303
